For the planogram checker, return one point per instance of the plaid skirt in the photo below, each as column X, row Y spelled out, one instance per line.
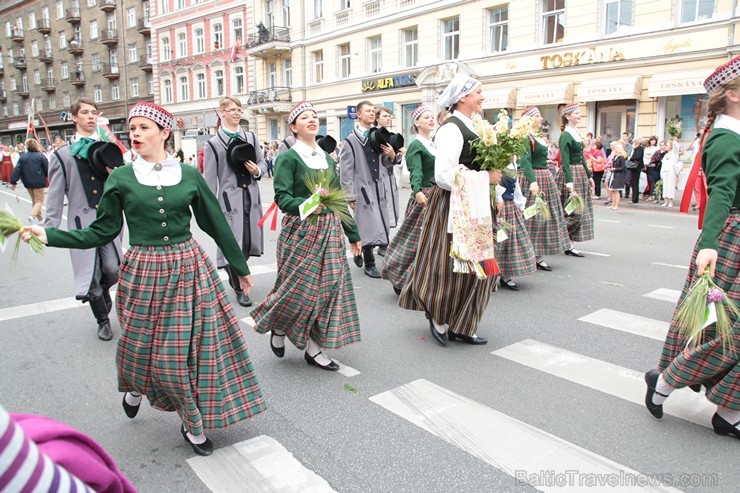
column 313, row 294
column 580, row 226
column 708, row 363
column 515, row 255
column 458, row 300
column 548, row 237
column 181, row 345
column 402, row 250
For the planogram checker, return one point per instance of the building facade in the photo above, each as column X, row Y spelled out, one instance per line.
column 631, row 64
column 56, row 51
column 198, row 58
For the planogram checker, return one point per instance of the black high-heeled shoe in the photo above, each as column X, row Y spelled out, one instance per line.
column 311, row 360
column 131, row 411
column 278, row 351
column 205, row 449
column 723, row 427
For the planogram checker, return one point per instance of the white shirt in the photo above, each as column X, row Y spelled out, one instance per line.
column 314, row 157
column 78, row 136
column 428, row 144
column 170, row 172
column 449, row 142
column 727, row 122
column 574, row 132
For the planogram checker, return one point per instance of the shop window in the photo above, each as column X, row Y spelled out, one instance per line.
column 618, row 15
column 553, row 21
column 690, row 110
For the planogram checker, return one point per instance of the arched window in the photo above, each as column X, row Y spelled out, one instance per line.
column 167, row 91
column 166, row 50
column 182, row 45
column 220, row 87
column 238, row 80
column 200, row 85
column 184, row 90
column 200, row 40
column 218, row 36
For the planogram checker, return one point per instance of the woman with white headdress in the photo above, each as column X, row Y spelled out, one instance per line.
column 448, row 290
column 420, row 162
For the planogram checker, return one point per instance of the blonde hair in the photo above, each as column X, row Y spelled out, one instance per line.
column 33, row 145
column 618, row 148
column 225, row 101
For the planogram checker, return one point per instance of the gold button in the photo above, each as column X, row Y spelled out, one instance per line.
column 161, row 211
column 92, row 178
column 95, row 192
column 160, row 199
column 166, row 238
column 164, row 225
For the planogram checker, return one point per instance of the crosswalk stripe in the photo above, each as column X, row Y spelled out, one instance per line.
column 608, row 221
column 685, row 267
column 664, row 294
column 50, row 306
column 659, row 226
column 595, row 253
column 257, row 465
column 626, row 322
column 507, row 444
column 605, row 377
column 255, row 270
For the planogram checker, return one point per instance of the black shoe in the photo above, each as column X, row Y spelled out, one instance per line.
column 205, row 448
column 440, row 338
column 574, row 253
column 311, row 360
column 372, row 271
column 397, row 290
column 243, row 299
column 104, row 331
column 382, row 250
column 131, row 411
column 722, row 427
column 476, row 341
column 541, row 265
column 358, row 260
column 651, row 379
column 278, row 351
column 508, row 284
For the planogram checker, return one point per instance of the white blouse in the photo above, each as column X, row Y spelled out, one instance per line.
column 314, row 157
column 164, row 173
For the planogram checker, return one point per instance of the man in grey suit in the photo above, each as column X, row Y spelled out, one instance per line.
column 70, row 175
column 242, row 205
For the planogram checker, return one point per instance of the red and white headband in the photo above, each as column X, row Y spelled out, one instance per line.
column 298, row 109
column 152, row 112
column 418, row 111
column 531, row 112
column 726, row 73
column 569, row 109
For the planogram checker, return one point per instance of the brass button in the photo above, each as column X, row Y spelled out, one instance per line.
column 161, row 211
column 166, row 238
column 95, row 192
column 160, row 199
column 164, row 225
column 92, row 178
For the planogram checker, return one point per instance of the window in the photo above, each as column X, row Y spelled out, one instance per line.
column 200, row 85
column 39, row 105
column 317, row 57
column 36, row 78
column 166, row 51
column 52, row 104
column 113, row 59
column 11, row 57
column 93, row 29
column 238, row 80
column 115, row 92
column 19, row 24
column 148, row 50
column 47, row 43
column 218, row 36
column 376, row 54
column 410, row 47
column 237, row 27
column 131, row 17
column 150, row 83
column 5, row 111
column 450, row 38
column 344, row 4
column 200, row 40
column 696, row 10
column 618, row 14
column 60, row 9
column 167, row 91
column 111, row 21
column 134, row 87
column 62, row 40
column 16, row 109
column 132, row 56
column 13, row 84
column 344, row 61
column 182, row 45
column 31, row 20
column 164, row 6
column 179, row 4
column 272, row 75
column 95, row 58
column 318, row 9
column 92, row 3
column 65, row 70
column 220, row 88
column 286, row 13
column 498, row 29
column 45, row 13
column 34, row 48
column 8, row 29
column 269, row 13
column 65, row 99
column 98, row 94
column 553, row 21
column 288, row 72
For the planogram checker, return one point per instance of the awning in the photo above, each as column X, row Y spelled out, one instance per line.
column 555, row 93
column 610, row 88
column 499, row 98
column 678, row 83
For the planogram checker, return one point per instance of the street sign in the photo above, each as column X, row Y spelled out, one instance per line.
column 352, row 112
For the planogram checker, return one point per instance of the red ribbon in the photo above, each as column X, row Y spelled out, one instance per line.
column 272, row 210
column 688, row 190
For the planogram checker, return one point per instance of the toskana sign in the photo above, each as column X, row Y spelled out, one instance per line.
column 581, row 57
column 383, row 83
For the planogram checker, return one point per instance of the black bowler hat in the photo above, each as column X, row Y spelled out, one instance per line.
column 238, row 153
column 327, row 143
column 102, row 155
column 378, row 137
column 396, row 141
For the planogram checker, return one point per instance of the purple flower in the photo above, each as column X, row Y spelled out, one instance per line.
column 715, row 295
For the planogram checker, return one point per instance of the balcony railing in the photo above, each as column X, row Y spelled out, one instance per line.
column 107, row 5
column 75, row 47
column 144, row 26
column 3, row 96
column 22, row 92
column 77, row 79
column 43, row 26
column 73, row 16
column 48, row 85
column 20, row 62
column 272, row 95
column 109, row 37
column 145, row 63
column 111, row 71
column 2, row 70
column 46, row 56
column 269, row 35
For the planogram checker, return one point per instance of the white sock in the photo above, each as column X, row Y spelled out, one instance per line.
column 664, row 388
column 439, row 327
column 278, row 340
column 132, row 398
column 196, row 439
column 732, row 416
column 314, row 350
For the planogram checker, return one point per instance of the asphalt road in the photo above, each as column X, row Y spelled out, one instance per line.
column 482, row 419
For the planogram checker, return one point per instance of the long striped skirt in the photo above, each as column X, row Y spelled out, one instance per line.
column 181, row 345
column 709, row 363
column 458, row 300
column 580, row 226
column 515, row 255
column 549, row 237
column 402, row 250
column 313, row 294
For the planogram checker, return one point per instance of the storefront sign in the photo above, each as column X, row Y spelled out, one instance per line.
column 65, row 116
column 352, row 112
column 583, row 57
column 673, row 45
column 394, row 82
column 23, row 124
